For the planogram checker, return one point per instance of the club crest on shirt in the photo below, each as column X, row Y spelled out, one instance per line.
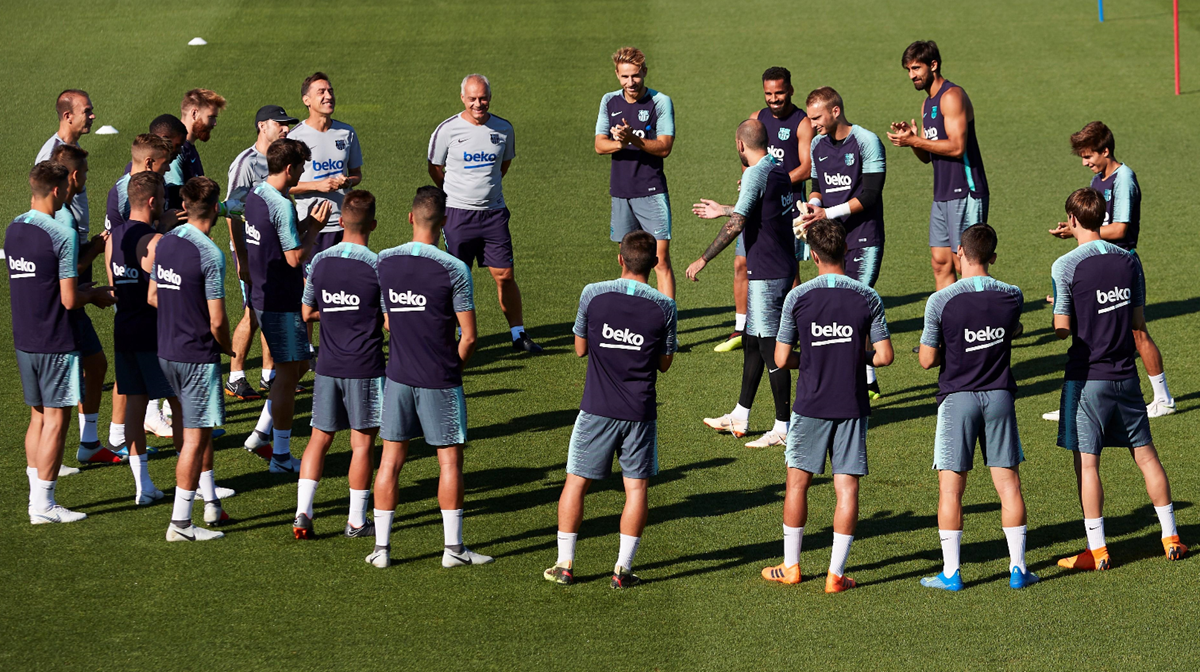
column 340, row 144
column 849, row 159
column 1108, row 194
column 785, row 133
column 643, row 115
column 495, row 138
column 934, row 113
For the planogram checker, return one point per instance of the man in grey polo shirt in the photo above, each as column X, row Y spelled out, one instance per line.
column 469, row 154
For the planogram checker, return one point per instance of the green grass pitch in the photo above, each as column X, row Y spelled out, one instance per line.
column 109, row 593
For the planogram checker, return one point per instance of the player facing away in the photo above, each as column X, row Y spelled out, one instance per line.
column 835, row 321
column 848, row 173
column 188, row 289
column 342, row 293
column 245, row 173
column 763, row 217
column 636, row 125
column 469, row 155
column 946, row 138
column 969, row 328
column 1095, row 146
column 427, row 293
column 129, row 262
column 42, row 270
column 789, row 140
column 335, row 166
column 277, row 254
column 1098, row 302
column 627, row 330
column 91, row 352
column 198, row 111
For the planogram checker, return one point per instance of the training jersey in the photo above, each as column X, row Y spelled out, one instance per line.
column 185, row 166
column 275, row 285
column 423, row 288
column 334, row 152
column 40, row 252
column 766, row 201
column 1098, row 284
column 344, row 285
column 838, row 167
column 974, row 320
column 79, row 202
column 1122, row 203
column 472, row 155
column 635, row 173
column 953, row 177
column 832, row 318
column 189, row 270
column 628, row 326
column 245, row 173
column 116, row 210
column 781, row 140
column 135, row 326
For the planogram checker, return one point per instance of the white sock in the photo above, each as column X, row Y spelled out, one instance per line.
column 1159, row 384
column 306, row 491
column 1095, row 533
column 1016, row 547
column 267, row 375
column 452, row 527
column 383, row 527
column 166, row 409
column 629, row 546
column 235, row 376
column 841, row 551
column 358, row 507
column 182, row 511
column 1166, row 518
column 516, row 331
column 87, row 427
column 208, row 486
column 793, row 538
column 41, row 495
column 566, row 546
column 140, row 466
column 870, row 374
column 740, row 412
column 781, row 427
column 739, row 321
column 116, row 434
column 265, row 423
column 951, row 545
column 282, row 443
column 31, row 474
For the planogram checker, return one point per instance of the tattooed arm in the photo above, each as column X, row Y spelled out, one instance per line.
column 727, row 235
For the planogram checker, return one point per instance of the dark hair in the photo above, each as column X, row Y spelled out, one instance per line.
column 828, row 239
column 1087, row 207
column 200, row 194
column 148, row 143
column 922, row 51
column 776, row 72
column 826, row 95
column 168, row 126
column 315, row 77
column 429, row 204
column 1094, row 137
column 143, row 185
column 45, row 176
column 640, row 252
column 285, row 153
column 70, row 156
column 66, row 101
column 358, row 209
column 753, row 134
column 979, row 243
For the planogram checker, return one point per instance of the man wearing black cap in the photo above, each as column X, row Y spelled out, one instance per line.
column 247, row 170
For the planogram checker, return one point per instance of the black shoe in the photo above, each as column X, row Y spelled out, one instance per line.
column 241, row 390
column 623, row 578
column 523, row 343
column 264, row 386
column 917, row 350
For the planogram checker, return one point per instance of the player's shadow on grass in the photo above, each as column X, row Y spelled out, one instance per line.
column 891, row 302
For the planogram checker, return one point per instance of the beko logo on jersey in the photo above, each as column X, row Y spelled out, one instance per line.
column 341, row 301
column 23, row 268
column 1117, row 296
column 838, row 181
column 776, row 152
column 986, row 337
column 329, row 164
column 931, row 133
column 787, row 200
column 479, row 156
column 124, row 274
column 626, row 339
column 167, row 278
column 833, row 333
column 253, row 237
column 406, row 301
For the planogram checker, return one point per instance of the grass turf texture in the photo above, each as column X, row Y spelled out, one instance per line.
column 110, row 593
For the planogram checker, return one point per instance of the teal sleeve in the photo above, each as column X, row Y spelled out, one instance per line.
column 666, row 114
column 1060, row 281
column 464, row 289
column 310, row 293
column 580, row 328
column 283, row 216
column 787, row 333
column 871, row 152
column 812, row 148
column 174, row 174
column 602, row 124
column 879, row 325
column 1125, row 190
column 213, row 267
column 754, row 184
column 68, row 254
column 931, row 335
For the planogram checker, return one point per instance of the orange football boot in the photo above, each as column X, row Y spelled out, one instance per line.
column 1171, row 545
column 1096, row 560
column 836, row 584
column 782, row 574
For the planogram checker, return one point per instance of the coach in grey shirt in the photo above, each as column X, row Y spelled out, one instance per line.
column 469, row 154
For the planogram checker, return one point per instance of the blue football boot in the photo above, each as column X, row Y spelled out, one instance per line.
column 943, row 582
column 1019, row 579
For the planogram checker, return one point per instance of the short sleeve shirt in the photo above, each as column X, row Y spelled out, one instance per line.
column 135, row 326
column 189, row 270
column 344, row 285
column 837, row 174
column 974, row 320
column 79, row 203
column 334, row 152
column 40, row 252
column 472, row 155
column 275, row 285
column 1098, row 285
column 117, row 207
column 245, row 173
column 766, row 202
column 634, row 173
column 1122, row 203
